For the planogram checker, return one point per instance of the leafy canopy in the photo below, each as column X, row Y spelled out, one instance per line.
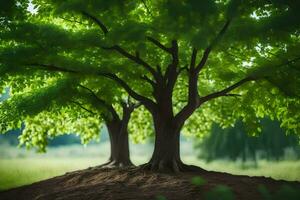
column 262, row 42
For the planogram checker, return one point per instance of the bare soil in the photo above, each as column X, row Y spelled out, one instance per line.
column 135, row 184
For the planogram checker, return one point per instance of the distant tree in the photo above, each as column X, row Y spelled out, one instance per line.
column 235, row 143
column 274, row 140
column 248, row 67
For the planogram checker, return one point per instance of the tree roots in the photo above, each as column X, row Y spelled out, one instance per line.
column 169, row 167
column 116, row 164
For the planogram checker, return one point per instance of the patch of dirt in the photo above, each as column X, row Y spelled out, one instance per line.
column 134, row 184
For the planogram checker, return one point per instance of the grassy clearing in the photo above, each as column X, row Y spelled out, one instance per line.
column 22, row 171
column 19, row 167
column 283, row 170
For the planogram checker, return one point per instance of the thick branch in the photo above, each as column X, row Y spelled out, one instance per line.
column 193, row 58
column 172, row 71
column 158, row 69
column 144, row 100
column 102, row 102
column 181, row 69
column 134, row 58
column 225, row 91
column 160, row 45
column 96, row 20
column 193, row 98
column 152, row 83
column 203, row 59
column 212, row 45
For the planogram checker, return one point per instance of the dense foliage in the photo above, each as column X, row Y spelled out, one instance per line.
column 189, row 63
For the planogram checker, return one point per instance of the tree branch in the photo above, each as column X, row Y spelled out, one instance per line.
column 144, row 100
column 171, row 72
column 102, row 102
column 181, row 69
column 232, row 95
column 81, row 106
column 158, row 69
column 193, row 58
column 193, row 99
column 73, row 21
column 152, row 83
column 212, row 45
column 96, row 20
column 148, row 10
column 50, row 67
column 158, row 44
column 193, row 96
column 119, row 49
column 225, row 91
column 134, row 58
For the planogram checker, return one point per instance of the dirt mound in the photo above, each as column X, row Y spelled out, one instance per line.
column 131, row 183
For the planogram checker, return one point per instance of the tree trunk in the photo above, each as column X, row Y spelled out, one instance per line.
column 119, row 145
column 166, row 154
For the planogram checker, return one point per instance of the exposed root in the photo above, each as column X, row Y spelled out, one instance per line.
column 191, row 168
column 169, row 167
column 105, row 164
column 116, row 164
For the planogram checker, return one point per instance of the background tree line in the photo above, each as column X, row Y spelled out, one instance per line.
column 235, row 143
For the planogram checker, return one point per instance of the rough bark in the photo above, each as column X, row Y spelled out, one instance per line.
column 166, row 154
column 118, row 135
column 119, row 146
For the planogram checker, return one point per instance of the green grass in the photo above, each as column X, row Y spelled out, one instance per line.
column 19, row 167
column 22, row 171
column 283, row 170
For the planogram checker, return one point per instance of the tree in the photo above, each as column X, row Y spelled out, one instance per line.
column 235, row 143
column 215, row 48
column 53, row 110
column 117, row 128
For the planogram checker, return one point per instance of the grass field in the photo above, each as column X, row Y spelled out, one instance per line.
column 21, row 171
column 19, row 167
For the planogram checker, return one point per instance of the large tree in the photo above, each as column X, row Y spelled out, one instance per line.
column 219, row 60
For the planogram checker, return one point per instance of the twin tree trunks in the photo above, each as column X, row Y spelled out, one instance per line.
column 166, row 155
column 167, row 125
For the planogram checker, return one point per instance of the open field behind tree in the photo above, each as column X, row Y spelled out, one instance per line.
column 19, row 167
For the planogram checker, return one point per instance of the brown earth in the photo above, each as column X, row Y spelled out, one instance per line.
column 135, row 184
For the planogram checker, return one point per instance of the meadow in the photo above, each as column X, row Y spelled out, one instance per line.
column 21, row 167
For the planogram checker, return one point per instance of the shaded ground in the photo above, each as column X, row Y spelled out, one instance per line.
column 131, row 184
